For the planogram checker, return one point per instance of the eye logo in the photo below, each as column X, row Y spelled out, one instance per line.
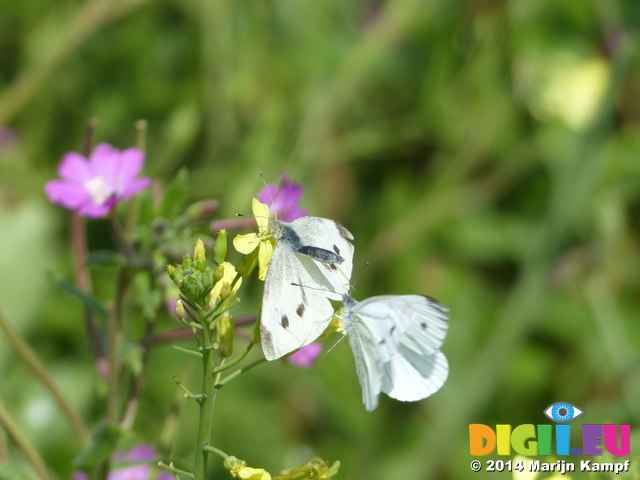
column 562, row 412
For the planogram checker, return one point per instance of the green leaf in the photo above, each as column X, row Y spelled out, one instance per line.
column 174, row 196
column 102, row 446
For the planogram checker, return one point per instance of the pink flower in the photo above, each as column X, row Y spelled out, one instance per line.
column 283, row 199
column 306, row 356
column 142, row 453
column 93, row 187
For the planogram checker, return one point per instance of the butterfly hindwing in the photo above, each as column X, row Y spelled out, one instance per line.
column 398, row 337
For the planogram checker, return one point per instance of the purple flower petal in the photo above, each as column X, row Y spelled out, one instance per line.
column 131, row 161
column 142, row 451
column 105, row 161
column 135, row 186
column 69, row 195
column 90, row 209
column 74, row 167
column 95, row 186
column 306, row 356
column 283, row 199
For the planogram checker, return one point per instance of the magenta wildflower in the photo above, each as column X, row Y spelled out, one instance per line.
column 306, row 356
column 283, row 199
column 94, row 186
column 138, row 453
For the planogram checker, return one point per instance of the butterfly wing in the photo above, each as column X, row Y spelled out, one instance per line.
column 369, row 366
column 324, row 241
column 292, row 315
column 418, row 369
column 403, row 332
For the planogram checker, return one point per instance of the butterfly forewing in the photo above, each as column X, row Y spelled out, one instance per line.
column 300, row 278
column 368, row 363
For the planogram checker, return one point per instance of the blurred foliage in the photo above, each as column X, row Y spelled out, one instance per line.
column 482, row 152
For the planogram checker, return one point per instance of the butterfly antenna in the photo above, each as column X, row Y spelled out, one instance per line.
column 337, row 342
column 313, row 288
column 273, row 203
column 353, row 285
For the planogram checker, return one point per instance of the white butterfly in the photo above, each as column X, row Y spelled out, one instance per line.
column 395, row 341
column 310, row 252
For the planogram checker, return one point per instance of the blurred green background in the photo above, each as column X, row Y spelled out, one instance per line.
column 483, row 152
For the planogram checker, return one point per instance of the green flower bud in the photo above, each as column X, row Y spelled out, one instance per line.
column 198, row 251
column 208, row 280
column 225, row 291
column 248, row 264
column 173, row 274
column 219, row 273
column 179, row 310
column 220, row 248
column 255, row 333
column 224, row 334
column 192, row 286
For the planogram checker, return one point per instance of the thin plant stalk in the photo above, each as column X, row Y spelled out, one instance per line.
column 23, row 443
column 33, row 363
column 207, row 400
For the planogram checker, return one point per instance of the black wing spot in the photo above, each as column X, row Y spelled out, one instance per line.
column 267, row 341
column 284, row 321
column 333, row 266
column 344, row 233
column 393, row 329
column 300, row 310
column 423, row 326
column 382, row 342
column 336, row 249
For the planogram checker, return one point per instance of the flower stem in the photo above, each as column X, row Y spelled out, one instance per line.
column 112, row 354
column 217, row 451
column 207, row 399
column 83, row 282
column 32, row 362
column 220, row 384
column 23, row 443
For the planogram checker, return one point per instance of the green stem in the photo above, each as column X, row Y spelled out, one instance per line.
column 112, row 394
column 207, row 400
column 23, row 443
column 233, row 362
column 187, row 351
column 175, row 470
column 32, row 362
column 238, row 372
column 215, row 450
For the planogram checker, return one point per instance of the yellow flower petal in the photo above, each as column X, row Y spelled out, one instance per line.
column 228, row 276
column 246, row 243
column 250, row 473
column 264, row 256
column 261, row 212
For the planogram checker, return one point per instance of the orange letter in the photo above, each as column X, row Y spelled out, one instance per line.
column 478, row 435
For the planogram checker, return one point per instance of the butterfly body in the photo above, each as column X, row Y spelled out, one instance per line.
column 395, row 341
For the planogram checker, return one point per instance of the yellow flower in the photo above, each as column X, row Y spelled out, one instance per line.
column 228, row 275
column 238, row 469
column 261, row 243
